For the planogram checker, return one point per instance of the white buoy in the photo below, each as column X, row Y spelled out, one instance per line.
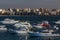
column 57, row 28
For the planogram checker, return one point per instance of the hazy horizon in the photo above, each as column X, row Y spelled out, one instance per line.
column 29, row 3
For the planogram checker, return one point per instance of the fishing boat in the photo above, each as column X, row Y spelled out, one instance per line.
column 9, row 21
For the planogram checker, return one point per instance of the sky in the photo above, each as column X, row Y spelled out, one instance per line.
column 30, row 3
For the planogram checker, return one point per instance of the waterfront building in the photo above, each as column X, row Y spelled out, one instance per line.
column 33, row 12
column 17, row 9
column 42, row 10
column 36, row 11
column 58, row 11
column 20, row 12
column 29, row 11
column 46, row 11
column 53, row 12
column 25, row 11
column 1, row 10
column 11, row 11
column 46, row 14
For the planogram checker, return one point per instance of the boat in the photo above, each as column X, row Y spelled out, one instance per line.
column 57, row 22
column 44, row 24
column 9, row 21
column 3, row 28
column 26, row 24
column 42, row 30
column 46, row 32
column 42, row 34
column 19, row 29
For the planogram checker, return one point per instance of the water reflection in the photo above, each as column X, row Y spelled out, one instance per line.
column 44, row 38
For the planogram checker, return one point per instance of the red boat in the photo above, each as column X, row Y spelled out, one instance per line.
column 44, row 24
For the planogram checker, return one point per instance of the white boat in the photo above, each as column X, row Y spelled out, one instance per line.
column 42, row 34
column 26, row 24
column 19, row 30
column 57, row 22
column 37, row 26
column 3, row 28
column 44, row 31
column 9, row 21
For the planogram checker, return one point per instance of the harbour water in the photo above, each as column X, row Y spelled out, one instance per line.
column 33, row 19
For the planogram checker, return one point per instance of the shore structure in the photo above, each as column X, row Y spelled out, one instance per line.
column 30, row 11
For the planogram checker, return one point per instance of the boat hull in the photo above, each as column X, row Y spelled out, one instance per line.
column 42, row 34
column 17, row 32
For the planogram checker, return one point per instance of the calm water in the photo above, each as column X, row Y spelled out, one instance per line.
column 33, row 19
